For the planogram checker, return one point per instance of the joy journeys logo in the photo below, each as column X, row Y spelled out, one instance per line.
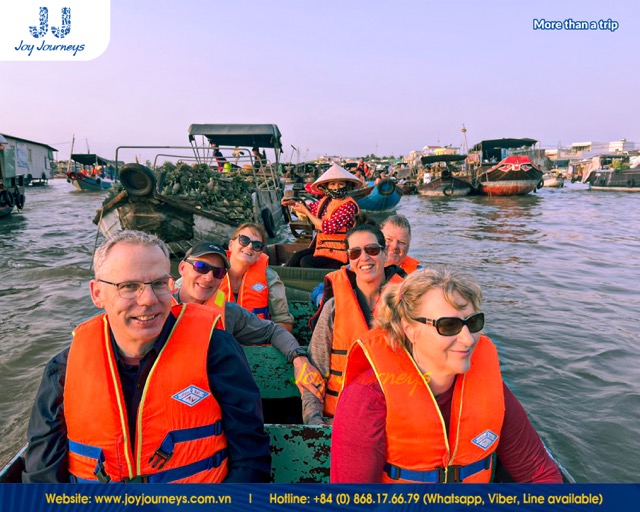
column 64, row 30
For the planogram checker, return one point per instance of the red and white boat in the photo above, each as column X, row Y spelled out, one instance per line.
column 513, row 176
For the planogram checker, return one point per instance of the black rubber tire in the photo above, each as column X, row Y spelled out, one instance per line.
column 447, row 191
column 137, row 180
column 540, row 184
column 27, row 179
column 386, row 187
column 19, row 200
column 631, row 183
column 9, row 199
column 269, row 224
column 3, row 201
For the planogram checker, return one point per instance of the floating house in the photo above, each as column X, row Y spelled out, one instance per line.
column 26, row 158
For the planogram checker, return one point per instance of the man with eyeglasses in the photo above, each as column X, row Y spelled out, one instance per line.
column 146, row 392
column 204, row 267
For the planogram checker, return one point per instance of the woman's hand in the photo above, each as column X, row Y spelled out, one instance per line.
column 308, row 377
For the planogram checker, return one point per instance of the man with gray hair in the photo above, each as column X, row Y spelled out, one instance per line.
column 397, row 234
column 146, row 392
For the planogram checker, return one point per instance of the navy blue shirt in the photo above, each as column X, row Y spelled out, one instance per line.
column 230, row 381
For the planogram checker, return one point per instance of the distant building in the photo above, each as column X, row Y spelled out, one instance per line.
column 26, row 158
column 589, row 149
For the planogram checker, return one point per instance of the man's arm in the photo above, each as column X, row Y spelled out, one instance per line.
column 248, row 329
column 237, row 393
column 46, row 459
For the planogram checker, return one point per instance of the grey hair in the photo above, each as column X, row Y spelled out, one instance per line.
column 403, row 301
column 126, row 237
column 399, row 221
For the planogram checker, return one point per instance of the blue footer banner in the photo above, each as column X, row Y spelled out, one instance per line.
column 318, row 497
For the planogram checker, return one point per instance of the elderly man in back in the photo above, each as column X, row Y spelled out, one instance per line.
column 146, row 392
column 397, row 234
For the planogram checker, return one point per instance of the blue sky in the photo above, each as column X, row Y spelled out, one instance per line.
column 346, row 77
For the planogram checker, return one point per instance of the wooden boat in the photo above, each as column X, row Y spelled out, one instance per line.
column 206, row 201
column 378, row 198
column 88, row 173
column 11, row 185
column 447, row 180
column 496, row 171
column 553, row 181
column 300, row 453
column 612, row 172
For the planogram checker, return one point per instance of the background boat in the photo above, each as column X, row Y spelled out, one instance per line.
column 87, row 172
column 208, row 200
column 380, row 197
column 505, row 167
column 612, row 172
column 553, row 181
column 11, row 184
column 447, row 179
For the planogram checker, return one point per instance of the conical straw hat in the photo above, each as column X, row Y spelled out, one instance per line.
column 335, row 173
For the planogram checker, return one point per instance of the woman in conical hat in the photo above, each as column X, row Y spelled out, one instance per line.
column 332, row 216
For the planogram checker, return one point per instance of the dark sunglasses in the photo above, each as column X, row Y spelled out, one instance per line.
column 372, row 250
column 450, row 326
column 204, row 268
column 245, row 241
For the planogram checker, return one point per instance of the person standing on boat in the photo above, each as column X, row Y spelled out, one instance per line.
column 332, row 216
column 221, row 161
column 250, row 282
column 346, row 313
column 397, row 234
column 363, row 168
column 203, row 269
column 423, row 397
column 146, row 392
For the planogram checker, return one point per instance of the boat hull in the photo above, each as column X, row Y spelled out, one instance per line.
column 381, row 197
column 87, row 183
column 513, row 176
column 627, row 180
column 178, row 223
column 453, row 187
column 553, row 182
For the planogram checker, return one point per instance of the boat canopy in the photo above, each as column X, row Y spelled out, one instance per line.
column 89, row 159
column 261, row 135
column 503, row 143
column 432, row 159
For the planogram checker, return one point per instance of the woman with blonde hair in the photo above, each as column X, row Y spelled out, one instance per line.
column 423, row 397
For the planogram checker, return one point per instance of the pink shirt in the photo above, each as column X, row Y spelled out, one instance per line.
column 358, row 443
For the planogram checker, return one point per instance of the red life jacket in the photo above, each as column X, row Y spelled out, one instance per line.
column 179, row 436
column 419, row 449
column 349, row 324
column 254, row 292
column 332, row 245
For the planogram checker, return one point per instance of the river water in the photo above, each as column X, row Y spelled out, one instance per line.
column 559, row 270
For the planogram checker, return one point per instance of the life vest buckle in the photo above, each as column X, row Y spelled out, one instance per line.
column 449, row 475
column 101, row 473
column 140, row 479
column 160, row 458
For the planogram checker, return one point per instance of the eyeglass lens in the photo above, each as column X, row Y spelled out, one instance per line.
column 372, row 250
column 245, row 240
column 134, row 289
column 204, row 268
column 453, row 326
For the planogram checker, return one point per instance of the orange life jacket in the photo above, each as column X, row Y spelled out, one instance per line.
column 254, row 291
column 419, row 449
column 216, row 302
column 332, row 245
column 349, row 324
column 179, row 436
column 410, row 264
